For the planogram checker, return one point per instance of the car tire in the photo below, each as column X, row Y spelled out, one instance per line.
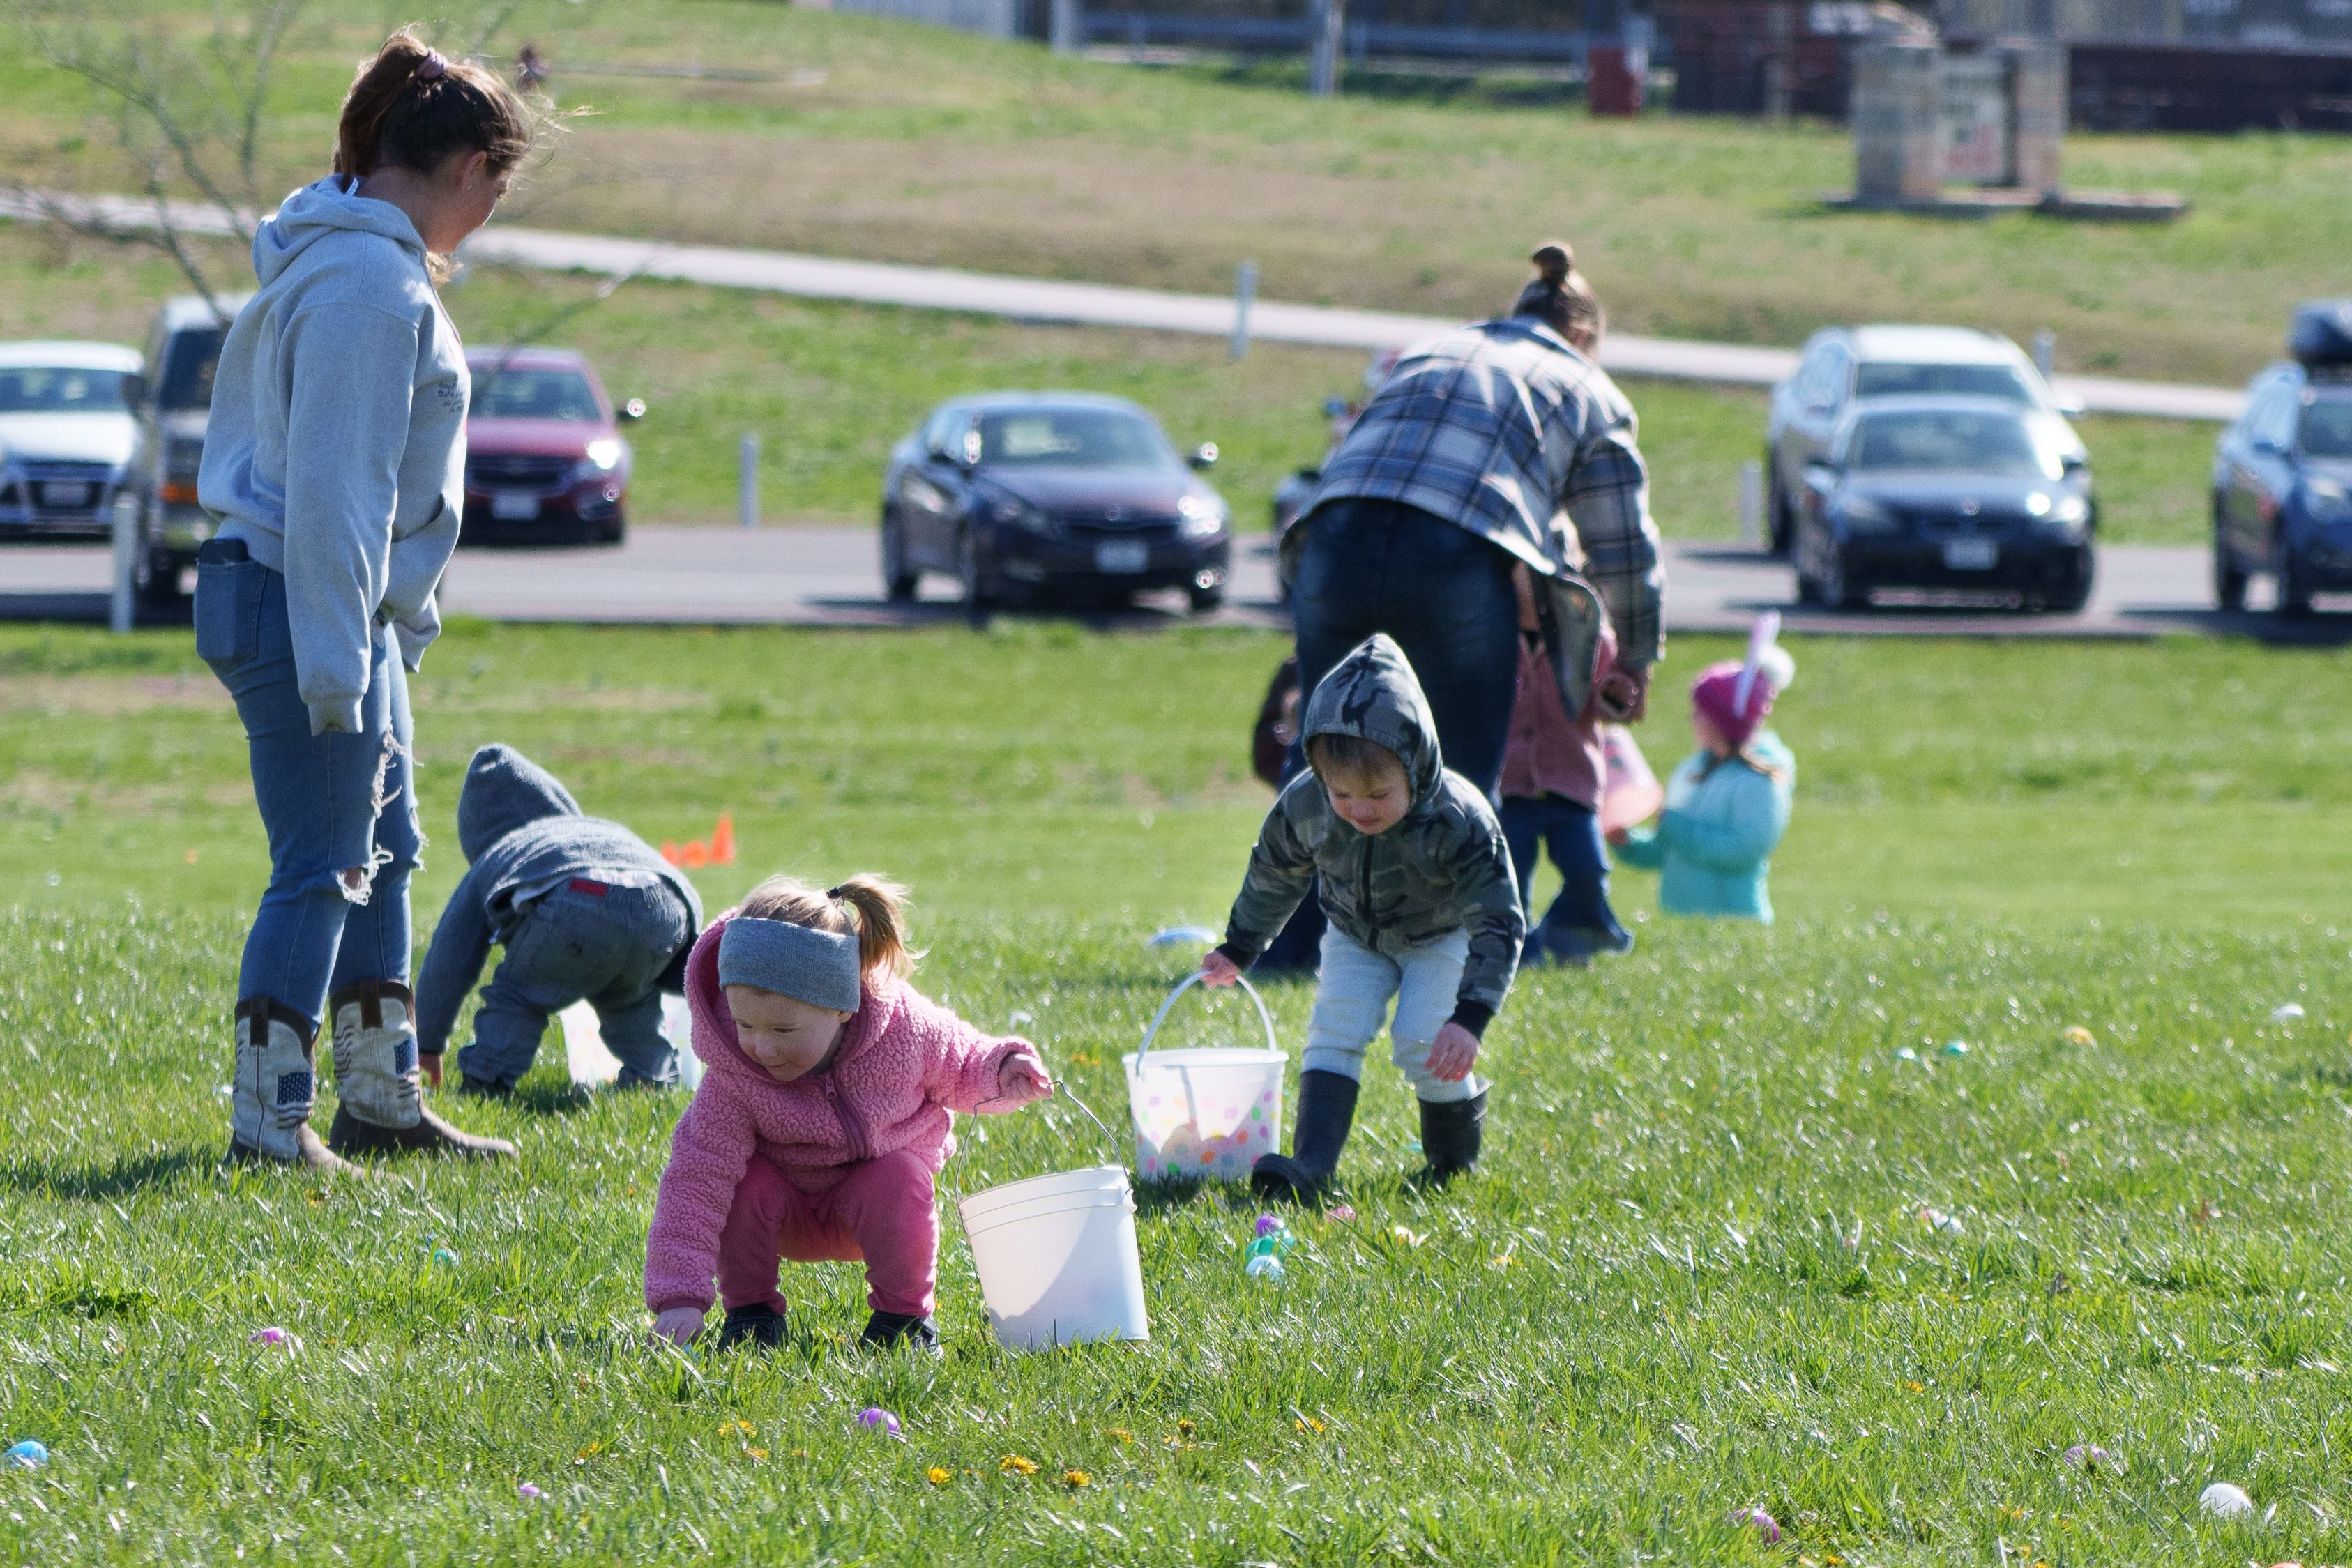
column 1206, row 601
column 1780, row 519
column 2228, row 577
column 155, row 580
column 2294, row 586
column 898, row 579
column 1835, row 590
column 979, row 593
column 615, row 532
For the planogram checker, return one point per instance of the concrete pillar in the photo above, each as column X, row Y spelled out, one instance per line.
column 1327, row 28
column 1068, row 30
column 2037, row 88
column 1896, row 110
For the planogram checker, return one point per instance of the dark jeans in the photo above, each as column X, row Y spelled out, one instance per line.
column 607, row 948
column 1445, row 595
column 328, row 802
column 1442, row 592
column 1580, row 921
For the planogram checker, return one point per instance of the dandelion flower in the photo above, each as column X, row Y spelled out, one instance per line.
column 1122, row 1434
column 1185, row 1428
column 1073, row 1479
column 1016, row 1464
column 938, row 1475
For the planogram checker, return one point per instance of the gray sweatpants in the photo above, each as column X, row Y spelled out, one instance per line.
column 574, row 943
column 1351, row 1001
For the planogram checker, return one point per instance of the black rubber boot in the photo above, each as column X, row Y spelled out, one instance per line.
column 886, row 1330
column 1450, row 1135
column 761, row 1325
column 1327, row 1108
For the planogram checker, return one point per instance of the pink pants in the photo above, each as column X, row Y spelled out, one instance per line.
column 880, row 1213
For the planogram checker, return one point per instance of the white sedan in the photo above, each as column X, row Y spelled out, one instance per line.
column 66, row 435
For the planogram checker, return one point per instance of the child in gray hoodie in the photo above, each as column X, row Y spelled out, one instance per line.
column 1410, row 866
column 585, row 909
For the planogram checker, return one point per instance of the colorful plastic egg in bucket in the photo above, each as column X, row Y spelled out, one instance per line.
column 1204, row 1113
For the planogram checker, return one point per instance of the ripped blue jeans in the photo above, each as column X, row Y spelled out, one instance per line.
column 330, row 803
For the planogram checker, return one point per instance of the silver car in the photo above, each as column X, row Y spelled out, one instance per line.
column 66, row 435
column 1845, row 366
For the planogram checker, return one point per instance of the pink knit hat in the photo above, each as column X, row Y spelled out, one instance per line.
column 1736, row 695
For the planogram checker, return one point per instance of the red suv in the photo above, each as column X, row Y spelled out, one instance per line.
column 544, row 456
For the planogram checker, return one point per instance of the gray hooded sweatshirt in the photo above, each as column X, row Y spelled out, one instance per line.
column 525, row 836
column 336, row 449
column 1444, row 867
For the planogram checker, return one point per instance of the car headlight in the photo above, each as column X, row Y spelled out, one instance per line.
column 1865, row 516
column 2326, row 500
column 600, row 457
column 2066, row 512
column 1198, row 517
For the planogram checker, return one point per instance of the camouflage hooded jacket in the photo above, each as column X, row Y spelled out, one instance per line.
column 1444, row 867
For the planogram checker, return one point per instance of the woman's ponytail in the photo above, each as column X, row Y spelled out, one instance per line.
column 1561, row 300
column 412, row 107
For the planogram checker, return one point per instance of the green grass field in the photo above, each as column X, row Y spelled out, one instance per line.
column 881, row 140
column 1692, row 1277
column 831, row 387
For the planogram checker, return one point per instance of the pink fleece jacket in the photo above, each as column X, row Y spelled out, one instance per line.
column 903, row 1063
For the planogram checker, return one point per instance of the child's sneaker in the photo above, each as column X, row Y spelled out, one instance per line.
column 887, row 1331
column 761, row 1325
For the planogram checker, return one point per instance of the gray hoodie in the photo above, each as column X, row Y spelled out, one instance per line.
column 337, row 444
column 1444, row 868
column 525, row 836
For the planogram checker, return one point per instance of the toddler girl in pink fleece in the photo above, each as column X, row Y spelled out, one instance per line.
column 823, row 1115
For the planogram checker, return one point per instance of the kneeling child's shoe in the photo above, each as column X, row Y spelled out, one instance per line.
column 887, row 1331
column 761, row 1323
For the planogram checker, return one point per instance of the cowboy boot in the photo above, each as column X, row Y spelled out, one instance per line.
column 1450, row 1135
column 1327, row 1108
column 378, row 1108
column 275, row 1087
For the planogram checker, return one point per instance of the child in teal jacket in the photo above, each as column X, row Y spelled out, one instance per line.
column 1727, row 803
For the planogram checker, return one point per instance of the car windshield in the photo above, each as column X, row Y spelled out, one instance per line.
column 1954, row 441
column 60, row 389
column 2327, row 430
column 1073, row 438
column 517, row 393
column 188, row 365
column 2002, row 381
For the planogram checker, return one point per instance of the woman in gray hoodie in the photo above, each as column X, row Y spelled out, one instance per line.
column 334, row 467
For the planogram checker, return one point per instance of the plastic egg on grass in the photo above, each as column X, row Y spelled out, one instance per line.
column 2089, row 1456
column 2286, row 1013
column 270, row 1335
column 874, row 1418
column 443, row 1256
column 2077, row 1035
column 2223, row 1500
column 528, row 1492
column 1757, row 1520
column 30, row 1454
column 1956, row 1048
column 1905, row 1053
column 1266, row 1266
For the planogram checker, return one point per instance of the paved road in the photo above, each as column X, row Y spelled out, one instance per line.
column 827, row 576
column 1090, row 304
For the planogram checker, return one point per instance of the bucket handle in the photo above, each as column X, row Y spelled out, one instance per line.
column 1185, row 985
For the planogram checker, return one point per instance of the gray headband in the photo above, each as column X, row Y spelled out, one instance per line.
column 819, row 967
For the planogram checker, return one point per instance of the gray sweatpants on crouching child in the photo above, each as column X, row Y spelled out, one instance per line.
column 1351, row 1000
column 606, row 943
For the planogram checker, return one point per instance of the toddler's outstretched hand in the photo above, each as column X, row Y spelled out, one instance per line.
column 678, row 1325
column 1020, row 1078
column 1453, row 1054
column 1216, row 969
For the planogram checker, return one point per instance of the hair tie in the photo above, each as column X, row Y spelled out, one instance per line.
column 432, row 68
column 834, row 893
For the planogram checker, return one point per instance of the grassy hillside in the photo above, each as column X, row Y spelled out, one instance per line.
column 830, row 387
column 877, row 138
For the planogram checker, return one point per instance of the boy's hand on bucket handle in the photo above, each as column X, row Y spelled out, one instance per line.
column 1454, row 1054
column 1021, row 1078
column 1216, row 969
column 678, row 1325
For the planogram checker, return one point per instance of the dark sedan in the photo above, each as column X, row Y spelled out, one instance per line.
column 1946, row 494
column 1021, row 495
column 2283, row 484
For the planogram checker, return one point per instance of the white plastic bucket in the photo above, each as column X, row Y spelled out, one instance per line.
column 1057, row 1258
column 593, row 1065
column 1204, row 1114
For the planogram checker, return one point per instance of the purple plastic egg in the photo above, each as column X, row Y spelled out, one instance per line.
column 528, row 1492
column 1267, row 1224
column 874, row 1418
column 271, row 1335
column 1757, row 1520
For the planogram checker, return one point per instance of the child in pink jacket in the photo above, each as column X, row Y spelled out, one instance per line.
column 823, row 1115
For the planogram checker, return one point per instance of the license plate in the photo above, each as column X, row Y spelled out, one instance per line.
column 1971, row 555
column 1126, row 556
column 64, row 493
column 514, row 506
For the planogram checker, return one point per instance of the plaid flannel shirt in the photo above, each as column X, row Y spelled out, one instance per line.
column 1504, row 429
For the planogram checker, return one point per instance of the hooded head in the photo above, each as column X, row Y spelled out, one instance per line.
column 1373, row 695
column 318, row 210
column 505, row 790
